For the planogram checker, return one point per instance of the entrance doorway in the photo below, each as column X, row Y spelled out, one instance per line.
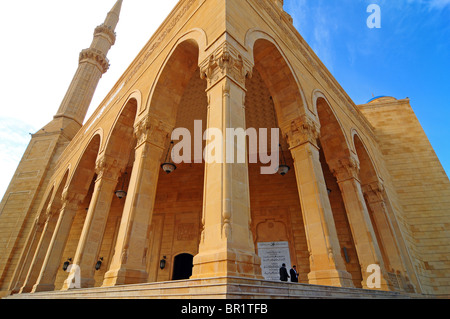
column 182, row 266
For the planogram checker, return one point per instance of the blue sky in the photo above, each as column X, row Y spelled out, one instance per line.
column 409, row 56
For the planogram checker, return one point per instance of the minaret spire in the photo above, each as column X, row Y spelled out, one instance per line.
column 93, row 63
column 113, row 16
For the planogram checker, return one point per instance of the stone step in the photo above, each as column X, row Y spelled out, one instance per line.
column 218, row 288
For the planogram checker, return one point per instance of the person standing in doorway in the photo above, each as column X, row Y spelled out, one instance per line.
column 283, row 273
column 294, row 274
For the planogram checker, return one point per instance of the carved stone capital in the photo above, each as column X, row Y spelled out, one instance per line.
column 373, row 191
column 95, row 57
column 153, row 131
column 226, row 61
column 71, row 199
column 104, row 30
column 49, row 212
column 109, row 167
column 40, row 221
column 300, row 131
column 345, row 168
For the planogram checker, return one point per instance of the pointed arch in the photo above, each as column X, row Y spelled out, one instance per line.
column 278, row 75
column 59, row 187
column 84, row 170
column 175, row 74
column 120, row 141
column 332, row 134
column 368, row 171
column 45, row 204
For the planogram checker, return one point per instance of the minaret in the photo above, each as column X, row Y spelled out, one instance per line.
column 20, row 205
column 93, row 63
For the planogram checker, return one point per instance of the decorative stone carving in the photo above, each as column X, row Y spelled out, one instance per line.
column 104, row 30
column 96, row 57
column 345, row 168
column 49, row 212
column 226, row 228
column 108, row 167
column 301, row 130
column 152, row 130
column 373, row 192
column 70, row 199
column 186, row 232
column 226, row 61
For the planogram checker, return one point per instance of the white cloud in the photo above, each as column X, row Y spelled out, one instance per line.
column 430, row 4
column 14, row 138
column 439, row 4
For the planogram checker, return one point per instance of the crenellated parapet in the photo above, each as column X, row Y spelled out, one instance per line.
column 107, row 32
column 95, row 57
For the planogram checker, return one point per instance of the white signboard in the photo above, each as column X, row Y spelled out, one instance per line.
column 273, row 255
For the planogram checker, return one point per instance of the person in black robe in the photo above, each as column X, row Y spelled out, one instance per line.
column 294, row 274
column 283, row 273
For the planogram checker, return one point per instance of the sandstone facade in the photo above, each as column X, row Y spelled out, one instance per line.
column 365, row 186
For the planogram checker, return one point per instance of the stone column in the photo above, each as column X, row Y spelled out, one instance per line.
column 346, row 172
column 47, row 275
column 226, row 246
column 128, row 265
column 373, row 193
column 86, row 256
column 326, row 263
column 46, row 230
column 374, row 199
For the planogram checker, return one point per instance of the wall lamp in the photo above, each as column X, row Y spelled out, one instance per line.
column 162, row 263
column 283, row 169
column 66, row 264
column 99, row 263
column 168, row 166
column 121, row 193
column 347, row 257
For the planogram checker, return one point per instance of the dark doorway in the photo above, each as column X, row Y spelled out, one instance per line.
column 182, row 267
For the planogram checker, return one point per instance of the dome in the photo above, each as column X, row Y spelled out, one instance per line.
column 381, row 99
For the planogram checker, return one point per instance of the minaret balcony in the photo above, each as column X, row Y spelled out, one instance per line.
column 96, row 57
column 107, row 32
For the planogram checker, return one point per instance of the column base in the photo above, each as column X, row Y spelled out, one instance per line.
column 227, row 263
column 42, row 287
column 331, row 277
column 24, row 290
column 124, row 276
